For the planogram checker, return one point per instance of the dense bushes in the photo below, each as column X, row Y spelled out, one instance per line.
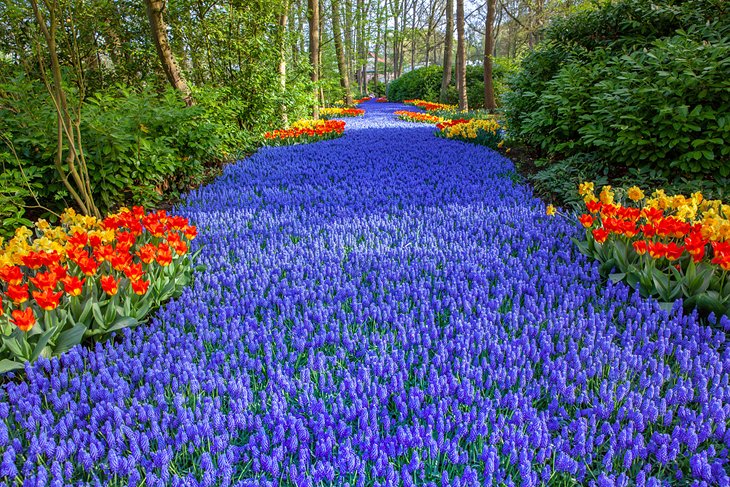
column 625, row 84
column 140, row 146
column 425, row 84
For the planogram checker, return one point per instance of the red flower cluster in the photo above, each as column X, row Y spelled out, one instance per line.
column 326, row 127
column 417, row 117
column 428, row 106
column 129, row 243
column 660, row 236
column 451, row 123
column 382, row 99
column 353, row 112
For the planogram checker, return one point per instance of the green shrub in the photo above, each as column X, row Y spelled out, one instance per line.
column 667, row 106
column 421, row 83
column 623, row 83
column 140, row 146
column 425, row 84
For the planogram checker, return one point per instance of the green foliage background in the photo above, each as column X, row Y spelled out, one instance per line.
column 640, row 88
column 425, row 84
column 141, row 142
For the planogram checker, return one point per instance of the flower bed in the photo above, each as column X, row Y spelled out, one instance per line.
column 670, row 247
column 391, row 309
column 341, row 112
column 362, row 100
column 303, row 131
column 484, row 132
column 87, row 278
column 409, row 116
column 429, row 106
column 382, row 99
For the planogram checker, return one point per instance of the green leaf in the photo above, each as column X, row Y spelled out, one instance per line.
column 616, row 277
column 68, row 339
column 10, row 365
column 42, row 342
column 96, row 311
column 15, row 346
column 121, row 323
column 87, row 309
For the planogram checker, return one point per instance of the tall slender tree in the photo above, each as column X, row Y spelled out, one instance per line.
column 158, row 29
column 489, row 101
column 448, row 50
column 72, row 168
column 340, row 51
column 313, row 17
column 461, row 56
column 283, row 21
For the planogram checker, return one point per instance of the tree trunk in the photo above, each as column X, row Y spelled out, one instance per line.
column 360, row 28
column 461, row 55
column 158, row 29
column 283, row 21
column 313, row 16
column 341, row 61
column 413, row 38
column 395, row 10
column 489, row 102
column 75, row 176
column 347, row 37
column 448, row 50
column 385, row 48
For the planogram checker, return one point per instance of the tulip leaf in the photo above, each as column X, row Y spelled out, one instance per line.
column 96, row 311
column 618, row 276
column 87, row 309
column 121, row 323
column 15, row 346
column 42, row 342
column 68, row 339
column 7, row 365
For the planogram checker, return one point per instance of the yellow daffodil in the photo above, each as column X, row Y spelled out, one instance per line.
column 606, row 195
column 586, row 188
column 635, row 193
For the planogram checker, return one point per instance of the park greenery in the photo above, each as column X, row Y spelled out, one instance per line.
column 365, row 242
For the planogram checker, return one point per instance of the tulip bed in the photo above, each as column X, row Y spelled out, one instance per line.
column 339, row 112
column 388, row 308
column 304, row 131
column 418, row 117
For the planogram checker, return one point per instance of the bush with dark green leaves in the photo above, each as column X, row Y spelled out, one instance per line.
column 140, row 146
column 633, row 83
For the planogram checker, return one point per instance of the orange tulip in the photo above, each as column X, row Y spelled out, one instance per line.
column 134, row 272
column 140, row 286
column 88, row 266
column 586, row 220
column 73, row 285
column 47, row 299
column 24, row 319
column 110, row 285
column 18, row 294
column 45, row 280
column 600, row 235
column 11, row 274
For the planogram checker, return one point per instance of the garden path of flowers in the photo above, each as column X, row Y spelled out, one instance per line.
column 387, row 308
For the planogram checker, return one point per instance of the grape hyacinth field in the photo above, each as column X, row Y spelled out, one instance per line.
column 388, row 308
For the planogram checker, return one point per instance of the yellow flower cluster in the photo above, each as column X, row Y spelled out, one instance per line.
column 48, row 238
column 429, row 106
column 712, row 215
column 341, row 112
column 469, row 130
column 308, row 123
